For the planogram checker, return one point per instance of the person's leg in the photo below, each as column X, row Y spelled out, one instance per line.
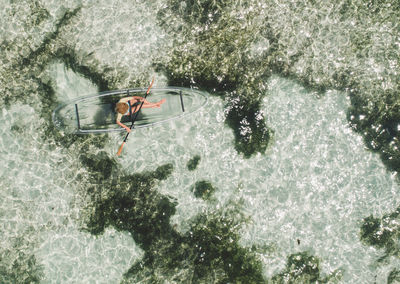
column 148, row 104
column 153, row 105
column 158, row 104
column 141, row 98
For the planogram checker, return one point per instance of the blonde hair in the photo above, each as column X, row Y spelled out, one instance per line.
column 122, row 108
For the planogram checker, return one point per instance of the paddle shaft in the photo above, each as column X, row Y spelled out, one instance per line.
column 134, row 119
column 137, row 113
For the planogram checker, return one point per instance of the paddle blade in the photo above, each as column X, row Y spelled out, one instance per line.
column 120, row 149
column 151, row 85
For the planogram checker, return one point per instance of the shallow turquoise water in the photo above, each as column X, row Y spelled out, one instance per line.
column 309, row 191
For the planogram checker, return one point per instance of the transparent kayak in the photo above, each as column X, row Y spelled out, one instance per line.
column 96, row 114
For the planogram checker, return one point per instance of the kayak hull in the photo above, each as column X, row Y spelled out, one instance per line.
column 96, row 113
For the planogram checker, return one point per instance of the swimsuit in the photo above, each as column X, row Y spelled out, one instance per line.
column 129, row 111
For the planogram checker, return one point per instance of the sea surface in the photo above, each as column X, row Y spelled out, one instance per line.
column 289, row 174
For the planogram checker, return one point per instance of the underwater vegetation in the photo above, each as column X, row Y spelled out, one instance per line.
column 213, row 50
column 394, row 276
column 251, row 134
column 16, row 266
column 231, row 49
column 128, row 203
column 27, row 72
column 379, row 123
column 208, row 252
column 193, row 163
column 25, row 68
column 51, row 36
column 304, row 268
column 215, row 246
column 214, row 54
column 203, row 189
column 382, row 233
column 209, row 249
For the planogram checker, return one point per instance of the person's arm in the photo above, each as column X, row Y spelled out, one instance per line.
column 121, row 124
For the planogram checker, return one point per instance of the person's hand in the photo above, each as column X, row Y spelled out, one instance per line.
column 128, row 130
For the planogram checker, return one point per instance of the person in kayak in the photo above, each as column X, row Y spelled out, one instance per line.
column 130, row 105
